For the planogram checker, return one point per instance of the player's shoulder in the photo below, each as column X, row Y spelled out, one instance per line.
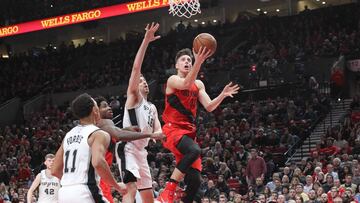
column 172, row 78
column 199, row 83
column 104, row 122
column 100, row 132
column 40, row 173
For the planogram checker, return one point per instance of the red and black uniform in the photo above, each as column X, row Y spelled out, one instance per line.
column 105, row 188
column 179, row 117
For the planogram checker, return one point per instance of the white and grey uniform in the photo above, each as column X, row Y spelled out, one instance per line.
column 80, row 182
column 48, row 189
column 143, row 116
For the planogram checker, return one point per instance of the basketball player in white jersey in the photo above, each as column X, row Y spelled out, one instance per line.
column 80, row 160
column 139, row 112
column 117, row 134
column 49, row 185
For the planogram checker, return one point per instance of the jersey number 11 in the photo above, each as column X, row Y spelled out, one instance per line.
column 67, row 154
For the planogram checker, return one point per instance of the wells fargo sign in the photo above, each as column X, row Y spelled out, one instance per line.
column 74, row 18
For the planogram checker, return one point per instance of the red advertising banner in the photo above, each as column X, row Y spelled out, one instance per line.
column 84, row 16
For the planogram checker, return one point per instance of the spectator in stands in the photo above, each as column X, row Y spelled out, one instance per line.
column 222, row 198
column 356, row 176
column 270, row 165
column 285, row 180
column 255, row 168
column 329, row 149
column 4, row 196
column 286, row 171
column 357, row 194
column 300, row 192
column 212, row 192
column 329, row 183
column 4, row 174
column 259, row 187
column 271, row 184
column 340, row 142
column 237, row 198
column 221, row 185
column 309, row 168
column 348, row 183
column 299, row 199
column 330, row 171
column 323, row 198
column 309, row 184
column 261, row 198
column 286, row 138
column 344, row 172
column 272, row 139
column 224, row 171
column 251, row 195
column 312, row 196
column 242, row 155
column 205, row 200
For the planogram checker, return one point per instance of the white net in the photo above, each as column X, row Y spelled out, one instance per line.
column 184, row 8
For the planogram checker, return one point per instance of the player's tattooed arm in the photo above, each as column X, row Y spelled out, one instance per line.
column 124, row 135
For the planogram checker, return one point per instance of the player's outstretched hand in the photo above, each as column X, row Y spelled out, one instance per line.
column 230, row 89
column 158, row 136
column 150, row 32
column 132, row 128
column 122, row 189
column 202, row 54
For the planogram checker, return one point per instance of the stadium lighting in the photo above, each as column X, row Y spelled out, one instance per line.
column 265, row 12
column 214, row 21
column 277, row 10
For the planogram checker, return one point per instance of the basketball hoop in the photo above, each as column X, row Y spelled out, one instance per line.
column 184, row 8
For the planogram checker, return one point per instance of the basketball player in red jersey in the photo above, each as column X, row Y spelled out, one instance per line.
column 182, row 93
column 116, row 134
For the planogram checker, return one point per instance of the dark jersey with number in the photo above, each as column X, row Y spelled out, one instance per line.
column 180, row 108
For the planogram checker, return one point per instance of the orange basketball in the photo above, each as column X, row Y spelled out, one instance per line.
column 207, row 40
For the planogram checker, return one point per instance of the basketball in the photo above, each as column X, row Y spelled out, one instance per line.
column 207, row 40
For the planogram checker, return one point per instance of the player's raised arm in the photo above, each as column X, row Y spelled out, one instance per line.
column 57, row 167
column 210, row 105
column 183, row 64
column 133, row 88
column 32, row 188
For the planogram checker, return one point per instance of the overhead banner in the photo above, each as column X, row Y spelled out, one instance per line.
column 84, row 16
column 354, row 65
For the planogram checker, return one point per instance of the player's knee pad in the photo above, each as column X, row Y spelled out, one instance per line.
column 191, row 152
column 194, row 153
